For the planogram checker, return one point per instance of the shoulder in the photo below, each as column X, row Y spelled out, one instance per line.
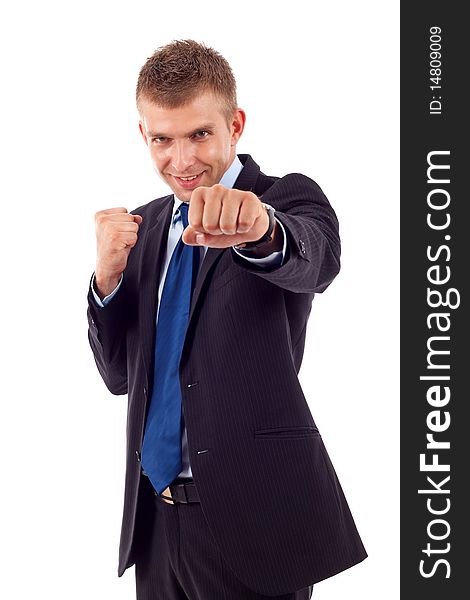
column 154, row 206
column 290, row 185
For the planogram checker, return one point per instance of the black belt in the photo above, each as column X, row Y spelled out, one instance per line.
column 183, row 491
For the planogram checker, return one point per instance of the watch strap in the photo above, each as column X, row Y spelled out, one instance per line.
column 267, row 237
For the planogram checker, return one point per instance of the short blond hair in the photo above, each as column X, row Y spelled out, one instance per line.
column 178, row 72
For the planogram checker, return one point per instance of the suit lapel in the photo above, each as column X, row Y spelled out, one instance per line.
column 153, row 253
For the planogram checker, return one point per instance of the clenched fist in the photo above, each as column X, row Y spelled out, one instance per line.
column 224, row 217
column 116, row 235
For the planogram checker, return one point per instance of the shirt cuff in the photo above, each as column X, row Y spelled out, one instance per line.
column 107, row 298
column 275, row 258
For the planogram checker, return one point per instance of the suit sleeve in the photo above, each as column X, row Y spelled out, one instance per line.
column 272, row 260
column 313, row 244
column 107, row 298
column 107, row 328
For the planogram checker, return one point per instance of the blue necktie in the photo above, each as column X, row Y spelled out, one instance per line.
column 161, row 449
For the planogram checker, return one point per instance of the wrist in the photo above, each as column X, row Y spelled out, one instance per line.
column 105, row 284
column 267, row 238
column 275, row 245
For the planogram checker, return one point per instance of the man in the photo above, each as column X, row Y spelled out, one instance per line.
column 199, row 314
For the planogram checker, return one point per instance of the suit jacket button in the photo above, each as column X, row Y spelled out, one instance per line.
column 138, row 455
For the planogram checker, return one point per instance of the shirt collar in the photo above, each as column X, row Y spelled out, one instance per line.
column 227, row 180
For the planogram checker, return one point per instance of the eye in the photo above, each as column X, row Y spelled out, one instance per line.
column 200, row 135
column 159, row 140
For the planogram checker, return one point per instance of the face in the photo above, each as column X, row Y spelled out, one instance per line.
column 191, row 145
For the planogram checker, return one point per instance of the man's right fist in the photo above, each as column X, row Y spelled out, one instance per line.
column 116, row 235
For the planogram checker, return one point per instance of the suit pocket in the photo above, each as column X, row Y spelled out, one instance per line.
column 282, row 433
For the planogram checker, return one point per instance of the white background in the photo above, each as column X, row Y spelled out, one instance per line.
column 319, row 83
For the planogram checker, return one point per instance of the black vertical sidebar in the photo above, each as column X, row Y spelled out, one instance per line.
column 435, row 269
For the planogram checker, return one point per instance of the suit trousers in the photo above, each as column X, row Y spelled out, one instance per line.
column 182, row 561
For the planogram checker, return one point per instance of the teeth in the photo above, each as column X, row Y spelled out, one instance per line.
column 188, row 178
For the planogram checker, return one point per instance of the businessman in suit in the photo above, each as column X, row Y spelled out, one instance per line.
column 197, row 310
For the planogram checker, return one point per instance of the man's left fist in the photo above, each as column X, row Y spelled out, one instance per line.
column 224, row 217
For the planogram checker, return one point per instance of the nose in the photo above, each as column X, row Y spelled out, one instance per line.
column 182, row 157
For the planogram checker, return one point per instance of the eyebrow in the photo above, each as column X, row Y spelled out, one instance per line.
column 205, row 127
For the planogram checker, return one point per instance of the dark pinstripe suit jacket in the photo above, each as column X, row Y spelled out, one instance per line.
column 267, row 487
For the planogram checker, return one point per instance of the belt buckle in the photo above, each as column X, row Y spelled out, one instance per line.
column 182, row 496
column 183, row 487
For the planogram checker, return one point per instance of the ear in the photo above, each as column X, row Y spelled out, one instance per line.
column 237, row 125
column 142, row 131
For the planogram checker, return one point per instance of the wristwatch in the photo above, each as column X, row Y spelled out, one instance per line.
column 267, row 237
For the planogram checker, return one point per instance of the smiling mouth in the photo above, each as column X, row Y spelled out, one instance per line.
column 188, row 178
column 189, row 181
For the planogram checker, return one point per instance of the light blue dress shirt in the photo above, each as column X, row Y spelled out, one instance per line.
column 175, row 232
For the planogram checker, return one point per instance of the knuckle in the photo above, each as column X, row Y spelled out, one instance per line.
column 210, row 226
column 227, row 225
column 196, row 222
column 199, row 191
column 244, row 223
